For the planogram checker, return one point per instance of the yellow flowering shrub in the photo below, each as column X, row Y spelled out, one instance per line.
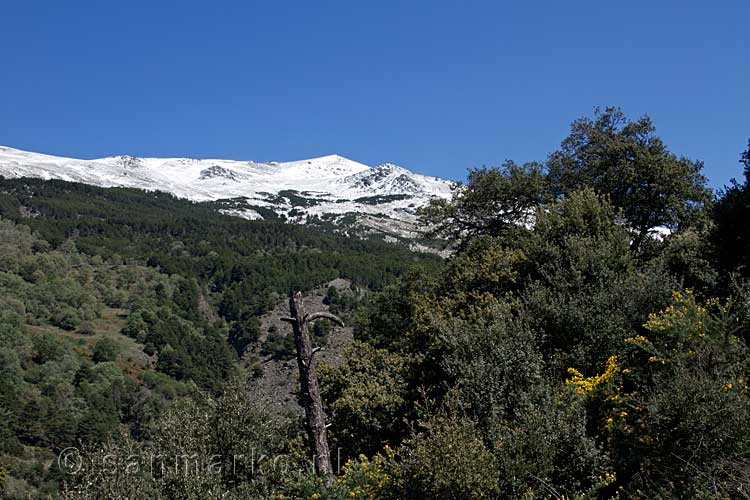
column 369, row 478
column 613, row 401
column 585, row 385
column 686, row 317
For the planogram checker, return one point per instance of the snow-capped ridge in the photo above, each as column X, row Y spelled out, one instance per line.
column 329, row 186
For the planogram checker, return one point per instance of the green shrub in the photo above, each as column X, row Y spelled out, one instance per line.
column 448, row 460
column 67, row 318
column 87, row 328
column 105, row 349
column 279, row 346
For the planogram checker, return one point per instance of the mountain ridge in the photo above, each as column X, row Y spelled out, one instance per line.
column 332, row 188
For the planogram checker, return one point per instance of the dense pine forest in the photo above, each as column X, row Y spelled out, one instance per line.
column 587, row 338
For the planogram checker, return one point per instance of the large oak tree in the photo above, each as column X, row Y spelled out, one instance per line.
column 629, row 163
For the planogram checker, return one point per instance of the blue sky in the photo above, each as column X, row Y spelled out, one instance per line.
column 435, row 86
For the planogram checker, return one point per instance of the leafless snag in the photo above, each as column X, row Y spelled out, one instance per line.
column 311, row 400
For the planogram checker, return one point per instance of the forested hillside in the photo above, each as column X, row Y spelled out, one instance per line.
column 587, row 339
column 116, row 301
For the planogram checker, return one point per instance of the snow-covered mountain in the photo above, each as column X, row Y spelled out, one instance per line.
column 331, row 188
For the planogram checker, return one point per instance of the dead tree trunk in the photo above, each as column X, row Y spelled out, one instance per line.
column 313, row 404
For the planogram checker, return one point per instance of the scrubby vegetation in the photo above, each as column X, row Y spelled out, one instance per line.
column 115, row 302
column 587, row 339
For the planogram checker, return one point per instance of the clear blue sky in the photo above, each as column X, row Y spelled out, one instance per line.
column 435, row 86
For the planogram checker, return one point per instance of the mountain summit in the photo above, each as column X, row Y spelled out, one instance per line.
column 329, row 188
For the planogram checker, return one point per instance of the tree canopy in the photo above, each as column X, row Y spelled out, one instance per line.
column 651, row 188
column 493, row 202
column 626, row 161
